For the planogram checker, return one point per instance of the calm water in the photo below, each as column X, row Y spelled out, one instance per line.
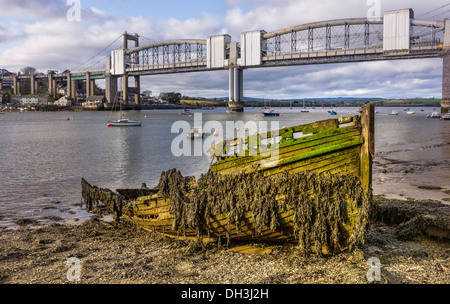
column 43, row 156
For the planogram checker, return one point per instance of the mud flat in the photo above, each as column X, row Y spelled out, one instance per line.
column 421, row 173
column 122, row 254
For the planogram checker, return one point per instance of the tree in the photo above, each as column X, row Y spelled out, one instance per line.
column 174, row 98
column 28, row 71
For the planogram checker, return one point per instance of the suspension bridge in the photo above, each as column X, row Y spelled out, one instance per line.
column 398, row 35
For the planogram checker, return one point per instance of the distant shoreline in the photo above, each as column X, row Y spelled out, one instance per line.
column 16, row 108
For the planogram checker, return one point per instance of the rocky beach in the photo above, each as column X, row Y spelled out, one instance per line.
column 410, row 239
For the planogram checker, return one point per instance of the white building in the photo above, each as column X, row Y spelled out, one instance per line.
column 29, row 100
column 63, row 102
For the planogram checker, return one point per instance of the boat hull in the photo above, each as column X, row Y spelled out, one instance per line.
column 124, row 124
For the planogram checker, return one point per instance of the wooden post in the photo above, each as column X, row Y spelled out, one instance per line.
column 368, row 147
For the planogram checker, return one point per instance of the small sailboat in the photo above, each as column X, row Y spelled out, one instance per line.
column 410, row 112
column 123, row 122
column 332, row 112
column 446, row 116
column 394, row 113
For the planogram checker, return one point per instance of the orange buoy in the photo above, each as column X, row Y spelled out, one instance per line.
column 68, row 119
column 216, row 133
column 109, row 125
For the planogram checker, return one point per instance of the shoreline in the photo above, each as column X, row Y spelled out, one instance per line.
column 124, row 254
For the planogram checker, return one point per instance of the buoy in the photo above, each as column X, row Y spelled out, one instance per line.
column 304, row 117
column 238, row 129
column 216, row 133
column 68, row 118
column 109, row 125
column 441, row 119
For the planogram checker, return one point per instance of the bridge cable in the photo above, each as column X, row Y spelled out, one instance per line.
column 140, row 36
column 433, row 10
column 97, row 54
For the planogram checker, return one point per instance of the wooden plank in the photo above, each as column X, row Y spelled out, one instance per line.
column 311, row 128
column 298, row 146
column 314, row 153
column 312, row 163
column 317, row 163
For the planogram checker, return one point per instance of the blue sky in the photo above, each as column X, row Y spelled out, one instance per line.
column 37, row 33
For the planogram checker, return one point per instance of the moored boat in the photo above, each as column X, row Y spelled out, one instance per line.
column 269, row 112
column 434, row 115
column 309, row 184
column 446, row 116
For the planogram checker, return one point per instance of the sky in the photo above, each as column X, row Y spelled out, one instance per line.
column 40, row 34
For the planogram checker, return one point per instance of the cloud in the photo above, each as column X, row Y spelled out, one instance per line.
column 37, row 33
column 270, row 15
column 193, row 28
column 37, row 9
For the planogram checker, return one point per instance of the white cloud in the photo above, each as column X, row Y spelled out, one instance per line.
column 193, row 28
column 40, row 36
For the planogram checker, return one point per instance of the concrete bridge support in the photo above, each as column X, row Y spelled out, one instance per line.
column 111, row 89
column 1, row 84
column 90, row 85
column 125, row 89
column 51, row 85
column 445, row 102
column 34, row 85
column 15, row 91
column 137, row 90
column 236, row 89
column 69, row 86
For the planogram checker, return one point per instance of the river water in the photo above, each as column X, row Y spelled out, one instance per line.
column 44, row 155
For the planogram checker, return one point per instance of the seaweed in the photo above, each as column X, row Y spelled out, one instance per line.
column 322, row 204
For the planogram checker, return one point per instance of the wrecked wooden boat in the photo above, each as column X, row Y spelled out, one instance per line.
column 309, row 184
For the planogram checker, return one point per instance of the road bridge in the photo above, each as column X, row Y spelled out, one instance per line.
column 395, row 36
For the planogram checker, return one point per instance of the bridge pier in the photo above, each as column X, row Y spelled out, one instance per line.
column 445, row 102
column 73, row 91
column 125, row 89
column 137, row 90
column 111, row 89
column 15, row 84
column 51, row 85
column 236, row 89
column 33, row 84
column 1, row 84
column 69, row 86
column 89, row 86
